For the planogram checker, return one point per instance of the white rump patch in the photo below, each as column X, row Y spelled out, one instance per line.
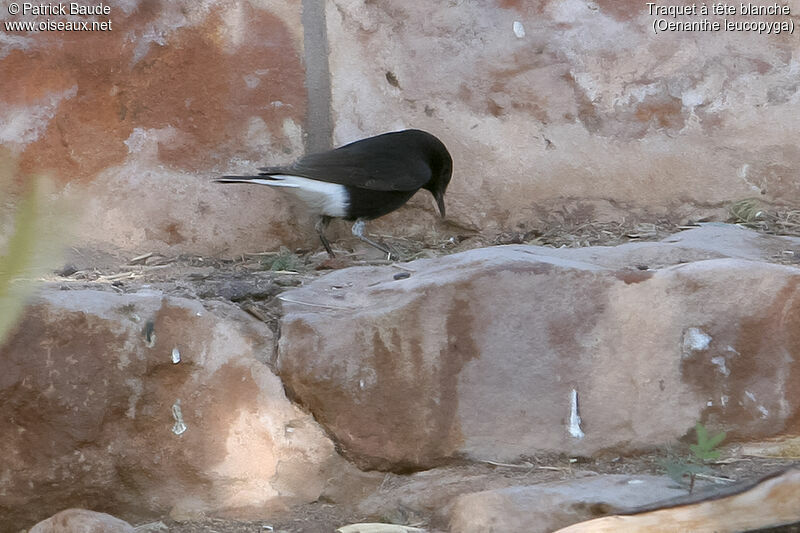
column 322, row 198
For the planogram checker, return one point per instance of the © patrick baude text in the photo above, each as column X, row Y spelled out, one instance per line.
column 770, row 19
column 35, row 17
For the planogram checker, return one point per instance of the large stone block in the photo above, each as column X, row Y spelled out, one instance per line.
column 544, row 100
column 547, row 507
column 141, row 405
column 506, row 352
column 146, row 113
column 82, row 521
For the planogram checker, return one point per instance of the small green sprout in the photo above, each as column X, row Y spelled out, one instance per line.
column 705, row 449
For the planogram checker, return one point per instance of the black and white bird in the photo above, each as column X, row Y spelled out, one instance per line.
column 363, row 180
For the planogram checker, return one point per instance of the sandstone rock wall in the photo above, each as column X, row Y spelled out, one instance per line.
column 570, row 351
column 152, row 399
column 547, row 99
column 145, row 405
column 538, row 101
column 137, row 119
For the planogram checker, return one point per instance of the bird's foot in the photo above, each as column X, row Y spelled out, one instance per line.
column 320, row 226
column 392, row 254
column 358, row 231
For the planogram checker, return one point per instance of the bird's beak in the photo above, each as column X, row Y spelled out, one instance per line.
column 440, row 203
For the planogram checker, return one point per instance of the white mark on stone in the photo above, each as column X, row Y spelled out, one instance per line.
column 720, row 362
column 695, row 339
column 176, row 356
column 519, row 29
column 763, row 410
column 136, row 140
column 22, row 125
column 635, row 482
column 294, row 133
column 710, row 403
column 151, row 35
column 136, row 391
column 9, row 43
column 750, row 395
column 258, row 136
column 179, row 426
column 743, row 170
column 723, row 400
column 637, row 93
column 574, row 417
column 146, row 141
column 692, row 98
column 589, row 85
column 251, row 81
column 361, row 384
column 235, row 22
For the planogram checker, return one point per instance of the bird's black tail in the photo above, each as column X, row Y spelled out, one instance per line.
column 244, row 179
column 264, row 174
column 278, row 180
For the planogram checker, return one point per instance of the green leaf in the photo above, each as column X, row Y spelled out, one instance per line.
column 703, row 454
column 702, row 434
column 18, row 260
column 716, row 440
column 704, row 450
column 678, row 470
column 33, row 226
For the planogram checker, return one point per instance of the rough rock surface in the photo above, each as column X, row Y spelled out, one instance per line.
column 550, row 506
column 499, row 353
column 142, row 405
column 765, row 505
column 545, row 100
column 538, row 101
column 144, row 114
column 82, row 521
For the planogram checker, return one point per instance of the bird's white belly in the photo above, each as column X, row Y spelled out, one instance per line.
column 322, row 198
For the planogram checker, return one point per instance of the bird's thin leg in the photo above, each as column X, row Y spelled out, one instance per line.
column 358, row 231
column 320, row 226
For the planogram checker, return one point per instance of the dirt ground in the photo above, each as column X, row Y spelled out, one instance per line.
column 325, row 517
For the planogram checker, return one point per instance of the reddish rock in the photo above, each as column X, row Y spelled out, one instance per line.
column 541, row 104
column 142, row 405
column 206, row 75
column 500, row 353
column 549, row 506
column 143, row 115
column 82, row 521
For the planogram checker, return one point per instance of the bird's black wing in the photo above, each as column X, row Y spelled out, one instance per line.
column 389, row 162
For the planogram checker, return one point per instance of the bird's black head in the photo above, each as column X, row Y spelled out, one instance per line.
column 441, row 165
